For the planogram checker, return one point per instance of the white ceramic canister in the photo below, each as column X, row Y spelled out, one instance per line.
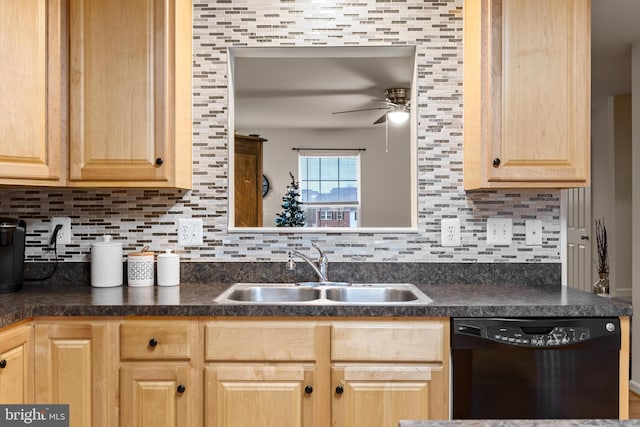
column 168, row 269
column 140, row 268
column 106, row 263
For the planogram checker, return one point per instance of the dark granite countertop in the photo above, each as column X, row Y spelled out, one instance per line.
column 520, row 423
column 197, row 299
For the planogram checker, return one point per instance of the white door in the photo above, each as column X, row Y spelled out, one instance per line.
column 579, row 238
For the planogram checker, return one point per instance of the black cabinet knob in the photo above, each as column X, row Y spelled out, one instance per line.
column 308, row 389
column 153, row 342
column 181, row 388
column 3, row 364
column 496, row 162
column 339, row 390
column 159, row 161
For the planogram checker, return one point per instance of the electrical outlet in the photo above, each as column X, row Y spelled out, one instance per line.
column 190, row 232
column 499, row 231
column 64, row 235
column 450, row 232
column 533, row 232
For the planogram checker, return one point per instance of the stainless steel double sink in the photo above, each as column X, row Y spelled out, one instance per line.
column 320, row 293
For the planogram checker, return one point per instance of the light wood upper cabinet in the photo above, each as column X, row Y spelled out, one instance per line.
column 33, row 103
column 526, row 93
column 16, row 365
column 130, row 93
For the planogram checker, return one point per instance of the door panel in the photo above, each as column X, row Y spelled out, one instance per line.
column 579, row 238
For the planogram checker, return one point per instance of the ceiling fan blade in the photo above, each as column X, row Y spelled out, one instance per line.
column 356, row 111
column 382, row 119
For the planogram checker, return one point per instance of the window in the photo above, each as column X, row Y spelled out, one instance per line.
column 326, row 215
column 330, row 189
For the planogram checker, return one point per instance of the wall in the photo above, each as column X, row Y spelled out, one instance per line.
column 148, row 217
column 611, row 186
column 386, row 176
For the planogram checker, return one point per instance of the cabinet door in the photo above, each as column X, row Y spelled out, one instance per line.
column 382, row 395
column 16, row 365
column 127, row 92
column 155, row 396
column 71, row 368
column 527, row 93
column 246, row 395
column 33, row 104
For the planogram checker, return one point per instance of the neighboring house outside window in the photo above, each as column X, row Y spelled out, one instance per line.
column 330, row 188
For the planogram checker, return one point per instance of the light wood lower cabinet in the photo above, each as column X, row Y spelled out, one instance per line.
column 252, row 394
column 384, row 372
column 155, row 396
column 205, row 372
column 266, row 373
column 72, row 368
column 16, row 361
column 160, row 373
column 381, row 395
column 319, row 373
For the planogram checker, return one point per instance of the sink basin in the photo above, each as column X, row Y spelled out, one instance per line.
column 272, row 294
column 371, row 294
column 323, row 293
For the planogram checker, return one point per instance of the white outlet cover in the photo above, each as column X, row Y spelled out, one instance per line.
column 190, row 231
column 450, row 232
column 499, row 231
column 64, row 235
column 533, row 232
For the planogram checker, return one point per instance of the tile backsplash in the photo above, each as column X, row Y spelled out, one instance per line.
column 148, row 217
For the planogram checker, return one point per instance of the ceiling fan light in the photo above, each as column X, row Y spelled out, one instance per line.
column 398, row 116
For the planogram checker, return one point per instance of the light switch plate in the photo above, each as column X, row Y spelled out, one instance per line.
column 190, row 231
column 533, row 232
column 499, row 231
column 450, row 232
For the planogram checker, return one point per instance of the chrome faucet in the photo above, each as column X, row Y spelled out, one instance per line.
column 320, row 269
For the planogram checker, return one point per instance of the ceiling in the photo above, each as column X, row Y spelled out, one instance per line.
column 615, row 24
column 302, row 87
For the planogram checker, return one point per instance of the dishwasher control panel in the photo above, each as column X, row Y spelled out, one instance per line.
column 557, row 336
column 534, row 332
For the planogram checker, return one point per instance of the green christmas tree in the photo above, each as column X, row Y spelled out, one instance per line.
column 292, row 215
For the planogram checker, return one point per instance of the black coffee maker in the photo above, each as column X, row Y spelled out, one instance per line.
column 12, row 238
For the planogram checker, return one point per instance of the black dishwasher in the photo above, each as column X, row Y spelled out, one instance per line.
column 535, row 368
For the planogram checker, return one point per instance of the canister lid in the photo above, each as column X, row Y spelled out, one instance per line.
column 106, row 241
column 167, row 254
column 144, row 252
column 130, row 254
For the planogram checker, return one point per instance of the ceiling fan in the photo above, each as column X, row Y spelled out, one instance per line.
column 396, row 100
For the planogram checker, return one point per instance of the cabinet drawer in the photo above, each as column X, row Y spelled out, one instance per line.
column 155, row 340
column 377, row 341
column 260, row 341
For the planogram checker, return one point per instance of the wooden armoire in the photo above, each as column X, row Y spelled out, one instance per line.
column 248, row 180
